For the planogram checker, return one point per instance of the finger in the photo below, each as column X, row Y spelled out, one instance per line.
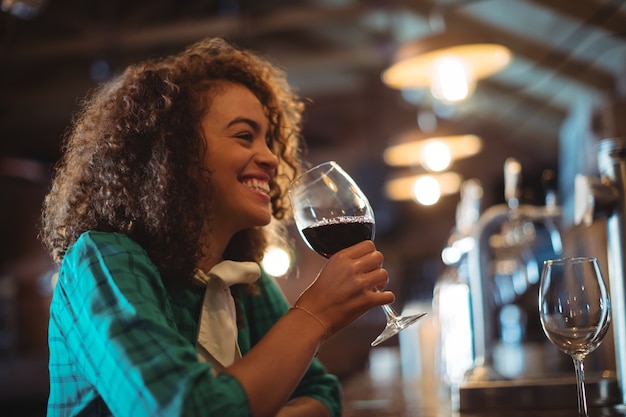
column 384, row 297
column 375, row 279
column 358, row 250
column 369, row 262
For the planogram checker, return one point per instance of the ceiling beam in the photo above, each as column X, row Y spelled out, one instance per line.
column 541, row 55
column 134, row 38
column 605, row 14
column 298, row 18
column 530, row 104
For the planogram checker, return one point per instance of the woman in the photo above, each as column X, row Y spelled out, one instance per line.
column 171, row 176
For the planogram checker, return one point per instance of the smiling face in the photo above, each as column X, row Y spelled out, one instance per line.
column 242, row 165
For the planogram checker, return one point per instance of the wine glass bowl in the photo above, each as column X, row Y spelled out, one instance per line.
column 332, row 213
column 330, row 210
column 574, row 308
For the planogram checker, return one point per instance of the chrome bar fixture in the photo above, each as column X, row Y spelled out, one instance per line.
column 479, row 259
column 484, row 386
column 605, row 197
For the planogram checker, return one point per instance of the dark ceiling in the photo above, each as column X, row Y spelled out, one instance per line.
column 568, row 56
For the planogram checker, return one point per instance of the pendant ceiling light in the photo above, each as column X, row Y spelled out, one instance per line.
column 433, row 152
column 449, row 63
column 426, row 189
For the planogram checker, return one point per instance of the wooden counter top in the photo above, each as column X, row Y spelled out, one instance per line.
column 367, row 397
column 382, row 391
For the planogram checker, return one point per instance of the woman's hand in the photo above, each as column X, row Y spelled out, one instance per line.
column 343, row 291
column 346, row 288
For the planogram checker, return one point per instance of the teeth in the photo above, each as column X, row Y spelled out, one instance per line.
column 258, row 185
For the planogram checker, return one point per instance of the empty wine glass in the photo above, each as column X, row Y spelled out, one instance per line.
column 332, row 213
column 574, row 307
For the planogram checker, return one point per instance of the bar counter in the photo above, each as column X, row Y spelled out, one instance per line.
column 382, row 391
column 365, row 397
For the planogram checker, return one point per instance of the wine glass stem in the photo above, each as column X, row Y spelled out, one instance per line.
column 580, row 387
column 390, row 312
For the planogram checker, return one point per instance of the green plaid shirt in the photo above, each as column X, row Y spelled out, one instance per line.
column 121, row 344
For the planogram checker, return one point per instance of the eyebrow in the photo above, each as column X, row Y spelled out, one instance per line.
column 252, row 123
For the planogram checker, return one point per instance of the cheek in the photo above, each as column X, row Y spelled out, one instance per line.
column 209, row 161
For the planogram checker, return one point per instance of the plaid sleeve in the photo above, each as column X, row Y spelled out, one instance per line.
column 264, row 310
column 114, row 347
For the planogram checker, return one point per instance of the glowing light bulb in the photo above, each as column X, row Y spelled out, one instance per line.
column 276, row 261
column 452, row 80
column 426, row 190
column 436, row 156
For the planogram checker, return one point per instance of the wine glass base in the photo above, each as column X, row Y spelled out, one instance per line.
column 394, row 326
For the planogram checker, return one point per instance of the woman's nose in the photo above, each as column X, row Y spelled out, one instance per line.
column 266, row 157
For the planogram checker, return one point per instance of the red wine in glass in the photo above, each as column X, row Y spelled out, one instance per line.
column 330, row 236
column 332, row 213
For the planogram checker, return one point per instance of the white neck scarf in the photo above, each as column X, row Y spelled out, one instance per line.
column 217, row 334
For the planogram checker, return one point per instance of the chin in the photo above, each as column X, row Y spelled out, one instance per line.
column 260, row 221
column 266, row 221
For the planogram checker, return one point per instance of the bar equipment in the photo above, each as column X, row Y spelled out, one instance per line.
column 605, row 198
column 520, row 220
column 451, row 299
column 511, row 241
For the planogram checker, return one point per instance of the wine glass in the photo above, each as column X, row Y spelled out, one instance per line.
column 332, row 213
column 574, row 307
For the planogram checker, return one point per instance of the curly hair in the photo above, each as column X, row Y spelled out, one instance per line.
column 133, row 157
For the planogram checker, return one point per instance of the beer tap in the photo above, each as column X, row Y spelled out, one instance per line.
column 480, row 280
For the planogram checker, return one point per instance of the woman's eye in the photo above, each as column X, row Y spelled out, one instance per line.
column 245, row 136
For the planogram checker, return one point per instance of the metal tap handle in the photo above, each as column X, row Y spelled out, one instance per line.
column 548, row 180
column 512, row 182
